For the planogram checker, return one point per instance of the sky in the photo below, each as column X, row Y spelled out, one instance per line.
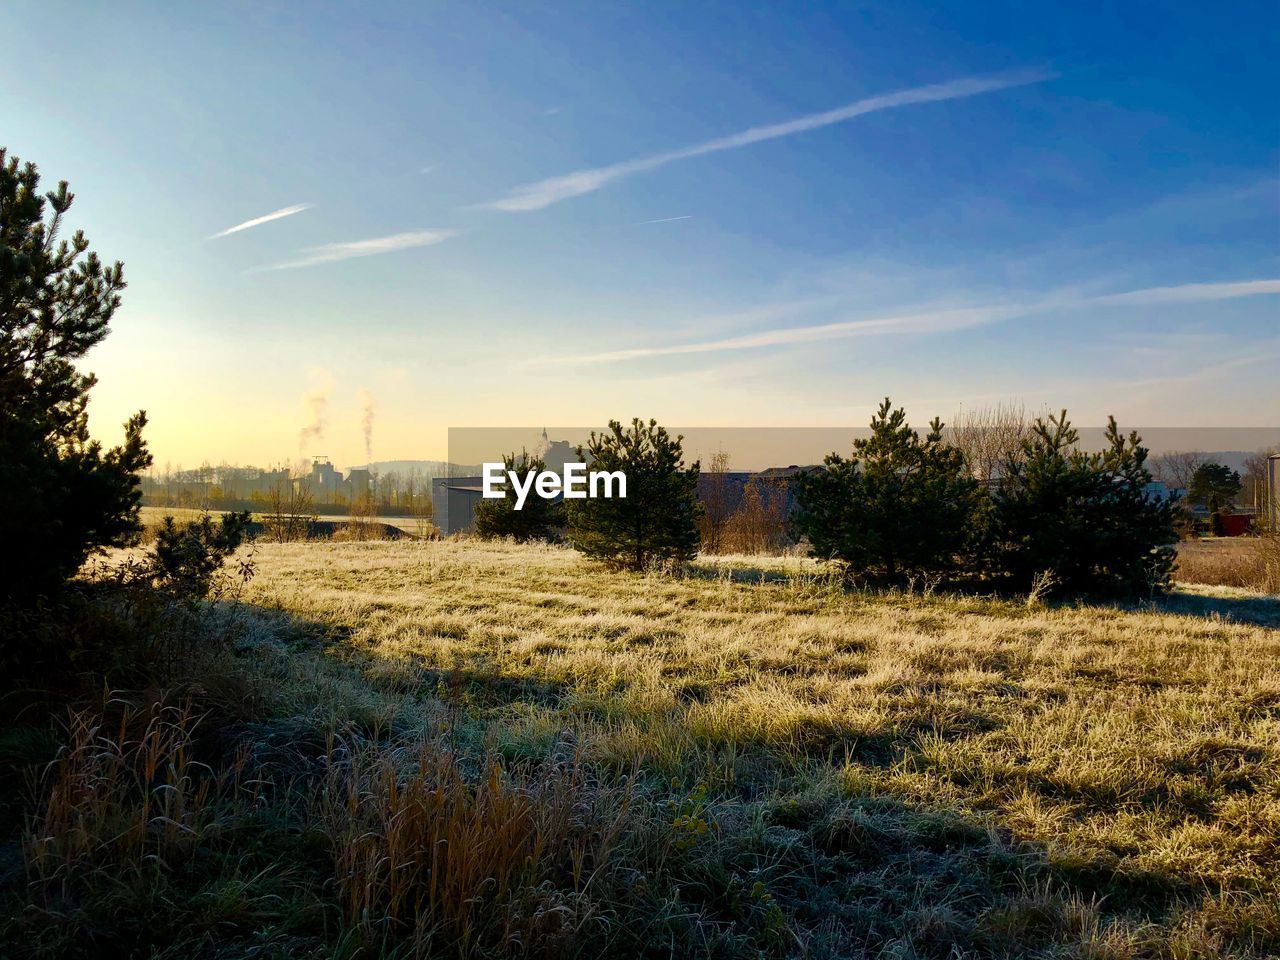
column 347, row 228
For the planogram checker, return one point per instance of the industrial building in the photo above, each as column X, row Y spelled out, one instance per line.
column 453, row 502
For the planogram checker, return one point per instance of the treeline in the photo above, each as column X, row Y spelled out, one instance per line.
column 394, row 493
column 1015, row 509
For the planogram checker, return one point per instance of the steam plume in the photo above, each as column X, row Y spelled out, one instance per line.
column 317, row 402
column 366, row 422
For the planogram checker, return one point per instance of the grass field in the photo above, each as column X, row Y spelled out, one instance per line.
column 896, row 772
column 477, row 749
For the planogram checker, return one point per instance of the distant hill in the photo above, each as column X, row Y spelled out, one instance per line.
column 423, row 468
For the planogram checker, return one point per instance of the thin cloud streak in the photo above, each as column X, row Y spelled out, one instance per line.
column 334, row 252
column 664, row 220
column 266, row 218
column 1193, row 293
column 936, row 321
column 923, row 322
column 544, row 193
column 1206, row 373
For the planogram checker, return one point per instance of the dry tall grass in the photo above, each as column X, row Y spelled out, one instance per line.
column 123, row 794
column 494, row 865
column 1251, row 563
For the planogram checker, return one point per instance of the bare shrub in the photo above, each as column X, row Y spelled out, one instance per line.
column 1256, row 490
column 423, row 513
column 290, row 513
column 715, row 498
column 989, row 437
column 1042, row 586
column 760, row 524
column 364, row 523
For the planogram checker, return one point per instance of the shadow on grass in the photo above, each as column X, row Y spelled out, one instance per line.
column 1222, row 603
column 1217, row 603
column 489, row 688
column 749, row 573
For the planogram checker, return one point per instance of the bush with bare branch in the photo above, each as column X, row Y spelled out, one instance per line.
column 989, row 437
column 759, row 525
column 364, row 524
column 290, row 513
column 1176, row 468
column 716, row 505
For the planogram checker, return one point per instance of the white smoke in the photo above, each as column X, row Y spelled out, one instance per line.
column 366, row 422
column 317, row 402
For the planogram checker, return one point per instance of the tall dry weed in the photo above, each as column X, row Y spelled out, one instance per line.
column 508, row 862
column 1250, row 563
column 125, row 795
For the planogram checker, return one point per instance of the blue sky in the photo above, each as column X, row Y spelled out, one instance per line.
column 711, row 214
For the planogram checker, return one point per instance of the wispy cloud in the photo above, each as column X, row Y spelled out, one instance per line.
column 935, row 321
column 544, row 193
column 265, row 218
column 333, row 252
column 1192, row 293
column 918, row 322
column 1209, row 373
column 665, row 220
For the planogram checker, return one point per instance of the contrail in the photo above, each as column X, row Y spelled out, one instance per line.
column 536, row 196
column 266, row 218
column 936, row 321
column 334, row 252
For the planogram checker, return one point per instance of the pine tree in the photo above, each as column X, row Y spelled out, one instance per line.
column 63, row 495
column 1086, row 520
column 538, row 519
column 1215, row 485
column 658, row 518
column 901, row 507
column 1136, row 526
